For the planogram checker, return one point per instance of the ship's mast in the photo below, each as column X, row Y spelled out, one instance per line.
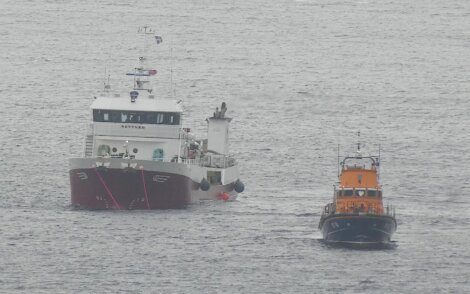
column 106, row 84
column 142, row 73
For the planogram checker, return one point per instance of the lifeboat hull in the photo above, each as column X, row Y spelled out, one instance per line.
column 355, row 228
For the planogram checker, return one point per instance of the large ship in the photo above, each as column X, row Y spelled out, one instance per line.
column 138, row 155
column 357, row 214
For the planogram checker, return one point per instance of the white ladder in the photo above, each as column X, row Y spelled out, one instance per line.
column 89, row 146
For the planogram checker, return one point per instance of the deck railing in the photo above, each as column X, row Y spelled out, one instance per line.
column 388, row 210
column 219, row 161
column 212, row 160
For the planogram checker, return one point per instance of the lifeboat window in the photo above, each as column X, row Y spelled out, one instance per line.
column 360, row 193
column 371, row 193
column 347, row 192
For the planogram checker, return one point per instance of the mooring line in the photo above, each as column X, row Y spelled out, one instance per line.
column 107, row 189
column 145, row 189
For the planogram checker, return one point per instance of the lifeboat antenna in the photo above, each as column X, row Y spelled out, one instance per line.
column 378, row 164
column 338, row 162
column 358, row 152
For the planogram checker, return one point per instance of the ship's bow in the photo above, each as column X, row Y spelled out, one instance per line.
column 124, row 184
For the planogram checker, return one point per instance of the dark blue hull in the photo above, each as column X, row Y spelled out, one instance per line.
column 355, row 228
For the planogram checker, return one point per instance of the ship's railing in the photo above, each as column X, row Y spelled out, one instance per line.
column 211, row 160
column 328, row 209
column 217, row 160
column 388, row 210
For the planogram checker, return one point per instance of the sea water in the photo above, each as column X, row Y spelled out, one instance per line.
column 299, row 78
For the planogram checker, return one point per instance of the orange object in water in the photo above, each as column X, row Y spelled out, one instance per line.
column 223, row 196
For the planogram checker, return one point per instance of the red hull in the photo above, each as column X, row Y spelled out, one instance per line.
column 107, row 188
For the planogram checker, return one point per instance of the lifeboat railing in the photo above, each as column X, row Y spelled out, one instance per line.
column 389, row 210
column 330, row 208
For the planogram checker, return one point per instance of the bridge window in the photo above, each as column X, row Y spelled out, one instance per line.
column 371, row 193
column 360, row 193
column 140, row 117
column 347, row 192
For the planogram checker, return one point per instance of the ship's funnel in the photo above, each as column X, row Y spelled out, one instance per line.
column 217, row 131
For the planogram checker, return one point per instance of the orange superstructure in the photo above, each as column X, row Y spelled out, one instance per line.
column 359, row 189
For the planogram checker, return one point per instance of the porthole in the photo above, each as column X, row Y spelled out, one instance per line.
column 135, row 150
column 114, row 149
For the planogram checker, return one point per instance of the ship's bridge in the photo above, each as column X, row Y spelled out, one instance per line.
column 142, row 117
column 145, row 128
column 141, row 104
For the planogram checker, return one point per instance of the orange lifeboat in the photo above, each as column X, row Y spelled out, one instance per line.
column 357, row 212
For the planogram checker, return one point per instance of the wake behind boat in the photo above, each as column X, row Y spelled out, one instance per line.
column 138, row 155
column 357, row 215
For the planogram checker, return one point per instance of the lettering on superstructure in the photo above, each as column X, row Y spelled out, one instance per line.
column 132, row 127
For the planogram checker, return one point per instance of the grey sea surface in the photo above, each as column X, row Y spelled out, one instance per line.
column 299, row 78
